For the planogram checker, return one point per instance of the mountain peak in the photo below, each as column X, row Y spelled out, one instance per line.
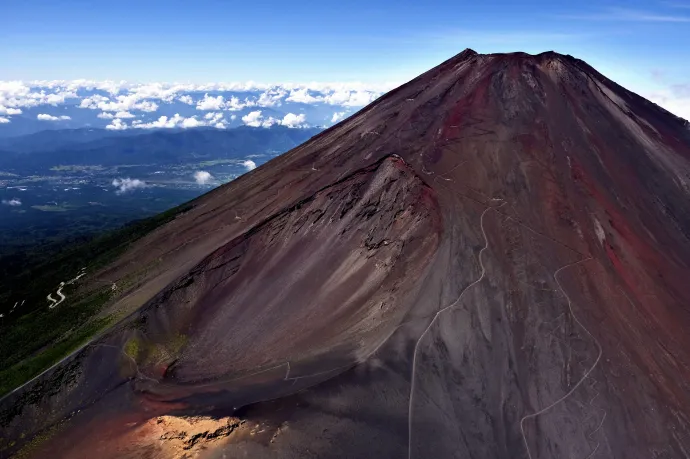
column 467, row 52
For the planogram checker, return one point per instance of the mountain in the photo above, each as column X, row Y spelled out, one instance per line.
column 58, row 138
column 488, row 261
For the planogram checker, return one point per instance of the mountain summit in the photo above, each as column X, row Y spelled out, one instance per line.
column 491, row 260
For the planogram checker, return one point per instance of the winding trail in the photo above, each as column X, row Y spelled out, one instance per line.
column 584, row 377
column 438, row 314
column 60, row 294
column 53, row 301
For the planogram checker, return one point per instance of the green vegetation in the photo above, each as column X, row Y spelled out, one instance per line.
column 40, row 338
column 23, row 371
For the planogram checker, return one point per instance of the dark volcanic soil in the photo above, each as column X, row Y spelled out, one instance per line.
column 490, row 261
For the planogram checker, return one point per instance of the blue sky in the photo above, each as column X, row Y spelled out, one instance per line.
column 641, row 44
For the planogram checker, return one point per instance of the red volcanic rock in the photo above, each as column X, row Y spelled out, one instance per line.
column 491, row 261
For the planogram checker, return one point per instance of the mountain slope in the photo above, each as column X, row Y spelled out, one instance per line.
column 489, row 261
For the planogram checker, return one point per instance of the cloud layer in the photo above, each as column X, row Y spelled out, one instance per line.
column 144, row 105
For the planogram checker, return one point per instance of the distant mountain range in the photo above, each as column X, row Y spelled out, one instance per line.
column 41, row 151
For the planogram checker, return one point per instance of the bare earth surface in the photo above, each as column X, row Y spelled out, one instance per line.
column 490, row 261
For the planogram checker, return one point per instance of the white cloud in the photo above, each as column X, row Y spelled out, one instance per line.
column 211, row 103
column 122, row 103
column 16, row 94
column 117, row 125
column 159, row 91
column 203, row 177
column 127, row 184
column 294, row 121
column 249, row 164
column 213, row 116
column 57, row 98
column 252, row 118
column 165, row 122
column 46, row 117
column 124, row 114
column 12, row 202
column 93, row 101
column 122, row 100
column 177, row 121
column 186, row 99
column 192, row 122
column 350, row 98
column 271, row 98
column 255, row 119
column 303, row 96
column 10, row 111
column 234, row 104
column 215, row 119
column 231, row 104
column 337, row 116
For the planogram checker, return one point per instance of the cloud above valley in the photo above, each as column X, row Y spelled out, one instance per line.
column 256, row 119
column 249, row 164
column 14, row 202
column 203, row 177
column 126, row 185
column 46, row 117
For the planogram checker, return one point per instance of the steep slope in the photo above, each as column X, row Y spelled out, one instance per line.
column 489, row 261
